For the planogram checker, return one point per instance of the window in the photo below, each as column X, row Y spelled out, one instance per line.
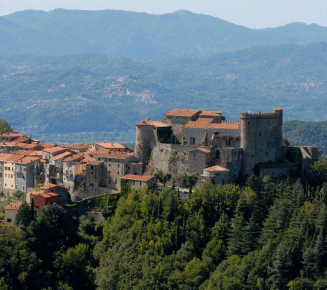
column 118, row 165
column 115, row 180
column 133, row 182
column 192, row 140
column 91, row 166
column 8, row 220
column 23, row 188
column 140, row 183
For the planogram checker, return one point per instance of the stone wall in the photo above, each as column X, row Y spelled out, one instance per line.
column 277, row 172
column 171, row 158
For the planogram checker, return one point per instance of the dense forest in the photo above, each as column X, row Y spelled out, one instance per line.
column 264, row 234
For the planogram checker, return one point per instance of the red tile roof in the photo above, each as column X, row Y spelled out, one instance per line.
column 207, row 123
column 75, row 157
column 54, row 149
column 43, row 145
column 48, row 194
column 205, row 150
column 199, row 123
column 137, row 177
column 278, row 109
column 182, row 112
column 49, row 186
column 111, row 145
column 216, row 168
column 13, row 206
column 27, row 159
column 5, row 157
column 62, row 155
column 11, row 134
column 157, row 124
column 210, row 113
column 113, row 155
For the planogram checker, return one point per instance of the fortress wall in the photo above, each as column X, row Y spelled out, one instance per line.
column 174, row 159
column 276, row 172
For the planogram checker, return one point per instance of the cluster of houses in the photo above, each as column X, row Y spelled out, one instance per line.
column 48, row 173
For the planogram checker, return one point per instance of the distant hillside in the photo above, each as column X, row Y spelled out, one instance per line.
column 47, row 96
column 307, row 133
column 139, row 35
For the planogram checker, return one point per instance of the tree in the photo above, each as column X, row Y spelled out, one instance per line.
column 5, row 127
column 74, row 267
column 189, row 181
column 162, row 177
column 24, row 216
column 52, row 230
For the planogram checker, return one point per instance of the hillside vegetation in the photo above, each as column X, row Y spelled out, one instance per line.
column 258, row 237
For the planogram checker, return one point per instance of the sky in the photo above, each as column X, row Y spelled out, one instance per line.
column 253, row 14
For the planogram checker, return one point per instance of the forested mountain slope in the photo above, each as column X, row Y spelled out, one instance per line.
column 139, row 35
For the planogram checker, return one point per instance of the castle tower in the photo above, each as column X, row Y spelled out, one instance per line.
column 145, row 140
column 261, row 138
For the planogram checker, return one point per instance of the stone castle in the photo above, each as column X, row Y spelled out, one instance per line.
column 203, row 142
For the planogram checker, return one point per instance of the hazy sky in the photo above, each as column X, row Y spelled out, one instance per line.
column 254, row 14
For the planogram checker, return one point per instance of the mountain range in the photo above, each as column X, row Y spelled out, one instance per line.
column 139, row 35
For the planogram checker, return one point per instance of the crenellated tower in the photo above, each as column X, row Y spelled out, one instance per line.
column 261, row 138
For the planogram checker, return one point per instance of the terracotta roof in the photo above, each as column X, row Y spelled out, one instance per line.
column 225, row 126
column 137, row 177
column 13, row 206
column 11, row 134
column 208, row 124
column 75, row 157
column 33, row 193
column 157, row 124
column 48, row 194
column 87, row 159
column 205, row 150
column 278, row 109
column 54, row 149
column 210, row 113
column 32, row 153
column 199, row 123
column 27, row 159
column 5, row 157
column 62, row 155
column 182, row 112
column 216, row 168
column 49, row 186
column 43, row 145
column 111, row 145
column 113, row 155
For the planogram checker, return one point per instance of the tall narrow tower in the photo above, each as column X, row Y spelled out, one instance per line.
column 261, row 138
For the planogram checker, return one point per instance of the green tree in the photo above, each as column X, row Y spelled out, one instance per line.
column 189, row 181
column 74, row 268
column 24, row 216
column 5, row 127
column 162, row 177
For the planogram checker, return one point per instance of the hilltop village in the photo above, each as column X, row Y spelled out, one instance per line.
column 182, row 142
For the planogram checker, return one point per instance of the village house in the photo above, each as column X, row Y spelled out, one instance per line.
column 10, row 213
